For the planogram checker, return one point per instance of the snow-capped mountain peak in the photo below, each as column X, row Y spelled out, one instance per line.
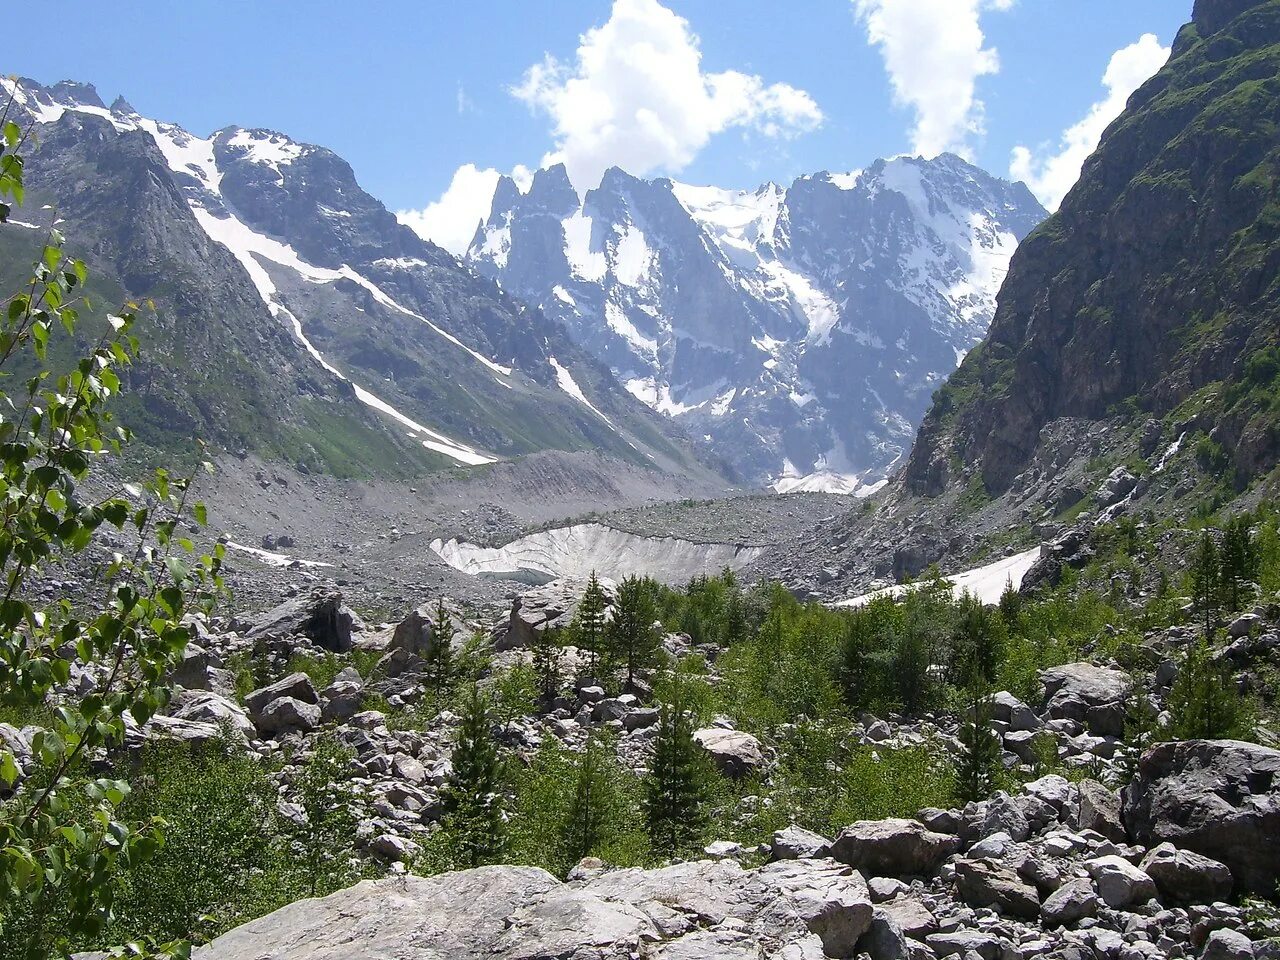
column 798, row 330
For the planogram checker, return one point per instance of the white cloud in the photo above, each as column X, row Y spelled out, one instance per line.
column 636, row 97
column 1051, row 175
column 451, row 221
column 934, row 53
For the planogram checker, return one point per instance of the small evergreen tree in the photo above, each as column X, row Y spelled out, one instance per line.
column 978, row 643
column 978, row 768
column 592, row 809
column 1140, row 719
column 589, row 621
column 1203, row 702
column 329, row 826
column 440, row 668
column 1239, row 563
column 675, row 790
column 546, row 665
column 632, row 639
column 474, row 804
column 1206, row 584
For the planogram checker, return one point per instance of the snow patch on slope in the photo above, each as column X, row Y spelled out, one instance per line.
column 570, row 386
column 247, row 246
column 987, row 583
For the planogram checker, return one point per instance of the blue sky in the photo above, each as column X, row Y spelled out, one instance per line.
column 408, row 92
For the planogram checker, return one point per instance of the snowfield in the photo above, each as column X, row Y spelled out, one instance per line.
column 579, row 550
column 986, row 583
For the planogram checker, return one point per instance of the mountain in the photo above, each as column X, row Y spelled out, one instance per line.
column 295, row 316
column 1154, row 292
column 798, row 332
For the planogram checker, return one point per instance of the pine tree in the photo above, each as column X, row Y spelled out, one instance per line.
column 440, row 668
column 589, row 621
column 1239, row 563
column 675, row 790
column 632, row 639
column 328, row 828
column 978, row 643
column 473, row 796
column 593, row 808
column 1140, row 719
column 978, row 768
column 1206, row 584
column 1203, row 702
column 546, row 665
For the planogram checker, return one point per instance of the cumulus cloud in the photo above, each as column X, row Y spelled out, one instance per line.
column 934, row 52
column 1049, row 173
column 636, row 96
column 451, row 221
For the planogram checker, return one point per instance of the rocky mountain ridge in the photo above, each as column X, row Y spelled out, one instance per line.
column 396, row 358
column 798, row 331
column 1153, row 290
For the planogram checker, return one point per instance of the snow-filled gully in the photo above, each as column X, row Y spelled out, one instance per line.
column 579, row 550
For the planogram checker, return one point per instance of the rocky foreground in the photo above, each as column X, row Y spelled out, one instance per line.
column 1061, row 868
column 1048, row 872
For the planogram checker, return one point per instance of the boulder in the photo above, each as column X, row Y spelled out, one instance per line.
column 298, row 686
column 319, row 615
column 1224, row 944
column 1119, row 882
column 1218, row 798
column 794, row 843
column 735, row 753
column 1184, row 877
column 285, row 714
column 1073, row 901
column 1090, row 695
column 343, row 698
column 203, row 706
column 415, row 633
column 982, row 884
column 200, row 669
column 1007, row 708
column 550, row 606
column 884, row 939
column 894, row 847
column 1099, row 810
column 1118, row 485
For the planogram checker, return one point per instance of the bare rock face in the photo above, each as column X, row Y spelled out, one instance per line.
column 1218, row 798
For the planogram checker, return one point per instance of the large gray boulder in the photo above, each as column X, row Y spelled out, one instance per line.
column 735, row 753
column 983, row 884
column 1093, row 696
column 693, row 911
column 320, row 615
column 1119, row 882
column 1218, row 798
column 204, row 706
column 295, row 685
column 286, row 714
column 548, row 607
column 1074, row 900
column 416, row 632
column 1184, row 877
column 894, row 847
